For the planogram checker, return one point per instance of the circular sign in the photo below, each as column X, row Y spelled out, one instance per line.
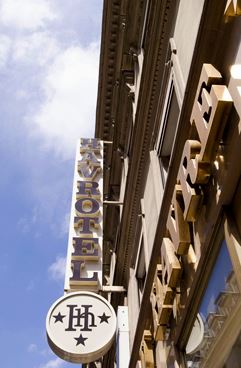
column 81, row 327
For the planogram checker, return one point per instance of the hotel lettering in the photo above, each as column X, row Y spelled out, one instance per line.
column 200, row 158
column 84, row 258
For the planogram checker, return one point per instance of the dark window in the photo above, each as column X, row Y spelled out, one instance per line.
column 141, row 269
column 167, row 131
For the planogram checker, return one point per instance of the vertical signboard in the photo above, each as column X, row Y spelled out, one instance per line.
column 81, row 325
column 84, row 257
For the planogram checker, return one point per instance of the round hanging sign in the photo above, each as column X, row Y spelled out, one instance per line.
column 81, row 327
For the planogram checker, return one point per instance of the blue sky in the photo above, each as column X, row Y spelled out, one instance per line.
column 217, row 281
column 49, row 53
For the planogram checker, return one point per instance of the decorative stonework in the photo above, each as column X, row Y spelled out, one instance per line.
column 138, row 182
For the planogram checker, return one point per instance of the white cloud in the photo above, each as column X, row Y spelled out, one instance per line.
column 68, row 111
column 60, row 227
column 23, row 94
column 24, row 225
column 57, row 269
column 5, row 47
column 30, row 286
column 53, row 363
column 211, row 305
column 32, row 348
column 26, row 14
column 64, row 226
column 36, row 48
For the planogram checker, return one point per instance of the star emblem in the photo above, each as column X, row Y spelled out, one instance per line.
column 104, row 318
column 59, row 317
column 80, row 340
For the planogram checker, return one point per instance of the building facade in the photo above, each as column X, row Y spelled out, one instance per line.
column 169, row 112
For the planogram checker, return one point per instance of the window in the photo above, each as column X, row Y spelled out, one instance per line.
column 215, row 339
column 141, row 268
column 217, row 303
column 167, row 130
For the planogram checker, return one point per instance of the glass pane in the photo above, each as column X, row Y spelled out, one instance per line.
column 218, row 302
column 217, row 283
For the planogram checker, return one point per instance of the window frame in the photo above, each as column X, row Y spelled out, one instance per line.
column 226, row 230
column 171, row 94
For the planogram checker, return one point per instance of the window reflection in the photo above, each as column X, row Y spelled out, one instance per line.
column 217, row 304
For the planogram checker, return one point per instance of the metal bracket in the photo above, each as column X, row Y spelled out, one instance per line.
column 113, row 289
column 114, row 203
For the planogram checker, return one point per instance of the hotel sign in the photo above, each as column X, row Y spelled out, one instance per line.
column 84, row 258
column 81, row 325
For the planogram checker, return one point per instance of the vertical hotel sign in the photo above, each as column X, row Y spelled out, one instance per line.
column 81, row 325
column 84, row 258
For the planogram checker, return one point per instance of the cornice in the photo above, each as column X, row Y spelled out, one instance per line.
column 149, row 92
column 107, row 69
column 120, row 38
